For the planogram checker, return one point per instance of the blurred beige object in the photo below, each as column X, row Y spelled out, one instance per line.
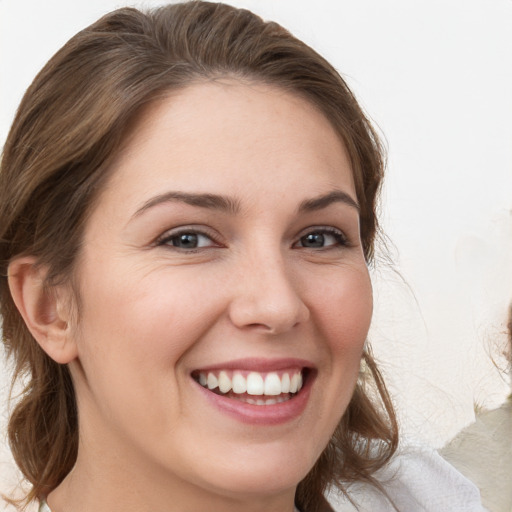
column 483, row 453
column 483, row 450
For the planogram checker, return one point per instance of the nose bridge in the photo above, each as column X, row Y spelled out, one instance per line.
column 267, row 294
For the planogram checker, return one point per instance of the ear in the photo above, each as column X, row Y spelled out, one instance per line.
column 46, row 312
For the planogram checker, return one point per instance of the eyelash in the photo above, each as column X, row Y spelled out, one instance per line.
column 168, row 238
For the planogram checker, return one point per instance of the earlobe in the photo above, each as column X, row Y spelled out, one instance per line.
column 46, row 312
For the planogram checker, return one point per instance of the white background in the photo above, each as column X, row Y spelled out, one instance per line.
column 436, row 78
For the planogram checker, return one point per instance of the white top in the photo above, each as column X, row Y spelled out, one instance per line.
column 43, row 507
column 417, row 479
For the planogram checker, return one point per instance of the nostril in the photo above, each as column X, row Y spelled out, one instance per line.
column 262, row 327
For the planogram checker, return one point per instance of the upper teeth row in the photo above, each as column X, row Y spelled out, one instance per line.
column 254, row 384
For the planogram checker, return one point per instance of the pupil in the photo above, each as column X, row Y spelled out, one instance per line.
column 313, row 240
column 187, row 241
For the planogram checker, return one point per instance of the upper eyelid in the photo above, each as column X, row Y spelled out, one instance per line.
column 322, row 229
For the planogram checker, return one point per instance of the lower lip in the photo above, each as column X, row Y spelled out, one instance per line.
column 274, row 414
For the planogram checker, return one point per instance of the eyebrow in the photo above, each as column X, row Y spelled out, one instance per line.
column 320, row 202
column 209, row 201
column 230, row 205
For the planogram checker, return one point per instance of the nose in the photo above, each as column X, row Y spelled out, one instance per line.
column 267, row 297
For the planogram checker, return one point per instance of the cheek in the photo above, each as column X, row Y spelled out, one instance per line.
column 133, row 333
column 146, row 319
column 342, row 311
column 344, row 308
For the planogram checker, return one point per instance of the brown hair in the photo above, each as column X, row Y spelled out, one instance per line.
column 69, row 127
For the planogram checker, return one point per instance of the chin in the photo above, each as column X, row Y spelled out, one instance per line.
column 274, row 469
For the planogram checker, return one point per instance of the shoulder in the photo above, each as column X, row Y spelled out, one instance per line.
column 416, row 479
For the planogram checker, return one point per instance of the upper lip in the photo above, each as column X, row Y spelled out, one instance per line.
column 259, row 364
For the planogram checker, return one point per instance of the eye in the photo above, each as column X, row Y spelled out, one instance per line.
column 322, row 238
column 187, row 240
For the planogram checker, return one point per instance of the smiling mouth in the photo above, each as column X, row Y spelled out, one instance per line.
column 251, row 387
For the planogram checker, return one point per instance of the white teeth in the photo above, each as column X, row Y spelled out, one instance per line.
column 224, row 382
column 267, row 384
column 239, row 383
column 212, row 381
column 255, row 384
column 285, row 383
column 272, row 384
column 294, row 383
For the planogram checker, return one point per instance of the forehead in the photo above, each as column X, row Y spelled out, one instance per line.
column 225, row 130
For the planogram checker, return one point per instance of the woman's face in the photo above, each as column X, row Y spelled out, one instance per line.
column 224, row 250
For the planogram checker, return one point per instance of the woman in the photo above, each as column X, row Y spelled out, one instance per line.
column 187, row 214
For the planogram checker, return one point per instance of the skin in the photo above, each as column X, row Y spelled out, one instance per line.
column 152, row 312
